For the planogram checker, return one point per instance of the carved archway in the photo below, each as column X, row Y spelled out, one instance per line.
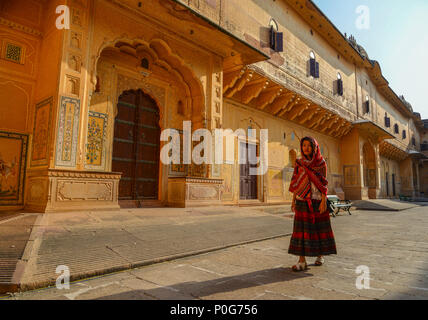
column 160, row 56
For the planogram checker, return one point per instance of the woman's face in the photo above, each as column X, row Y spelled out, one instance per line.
column 307, row 148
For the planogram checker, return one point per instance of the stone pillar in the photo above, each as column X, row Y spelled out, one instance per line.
column 350, row 159
column 406, row 177
column 203, row 185
column 64, row 184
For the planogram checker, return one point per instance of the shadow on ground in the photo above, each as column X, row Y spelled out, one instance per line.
column 212, row 287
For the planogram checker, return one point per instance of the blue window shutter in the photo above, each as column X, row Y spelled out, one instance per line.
column 340, row 87
column 317, row 70
column 387, row 122
column 279, row 46
column 312, row 67
column 272, row 38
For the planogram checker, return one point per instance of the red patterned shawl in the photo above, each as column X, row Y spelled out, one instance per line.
column 305, row 171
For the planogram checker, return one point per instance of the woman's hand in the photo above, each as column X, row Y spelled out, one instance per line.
column 293, row 206
column 323, row 205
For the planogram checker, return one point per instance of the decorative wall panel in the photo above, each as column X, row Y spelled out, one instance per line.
column 68, row 130
column 41, row 133
column 97, row 127
column 13, row 160
column 179, row 169
column 275, row 183
column 351, row 175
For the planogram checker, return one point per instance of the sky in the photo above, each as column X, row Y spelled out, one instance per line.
column 396, row 35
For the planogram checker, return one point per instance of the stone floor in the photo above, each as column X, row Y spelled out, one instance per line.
column 393, row 245
column 94, row 243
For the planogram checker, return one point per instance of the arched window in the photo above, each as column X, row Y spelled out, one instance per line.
column 314, row 67
column 367, row 105
column 339, row 84
column 387, row 121
column 396, row 129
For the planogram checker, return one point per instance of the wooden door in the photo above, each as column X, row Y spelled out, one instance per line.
column 136, row 146
column 247, row 182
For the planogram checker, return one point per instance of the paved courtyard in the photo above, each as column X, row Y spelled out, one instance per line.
column 393, row 245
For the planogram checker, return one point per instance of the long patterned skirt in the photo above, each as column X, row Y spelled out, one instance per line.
column 312, row 233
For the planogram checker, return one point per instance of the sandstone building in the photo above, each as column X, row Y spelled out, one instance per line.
column 81, row 109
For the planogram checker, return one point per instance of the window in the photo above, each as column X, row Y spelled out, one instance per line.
column 144, row 63
column 314, row 67
column 396, row 129
column 387, row 121
column 276, row 38
column 367, row 105
column 339, row 85
column 404, row 135
column 413, row 141
column 14, row 53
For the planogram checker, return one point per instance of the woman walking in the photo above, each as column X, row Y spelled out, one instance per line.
column 312, row 233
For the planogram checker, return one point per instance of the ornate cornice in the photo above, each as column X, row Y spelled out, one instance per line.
column 198, row 180
column 20, row 27
column 83, row 174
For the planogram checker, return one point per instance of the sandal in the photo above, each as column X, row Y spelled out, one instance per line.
column 300, row 267
column 319, row 262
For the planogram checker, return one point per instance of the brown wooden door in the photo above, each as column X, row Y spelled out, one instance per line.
column 247, row 182
column 136, row 146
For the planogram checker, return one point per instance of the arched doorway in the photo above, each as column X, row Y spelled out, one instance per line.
column 369, row 165
column 136, row 146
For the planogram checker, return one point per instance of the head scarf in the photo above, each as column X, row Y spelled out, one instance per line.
column 309, row 170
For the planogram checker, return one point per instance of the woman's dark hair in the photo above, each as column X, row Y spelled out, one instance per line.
column 312, row 145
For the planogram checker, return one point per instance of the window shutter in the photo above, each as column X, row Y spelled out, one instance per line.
column 387, row 122
column 312, row 67
column 340, row 87
column 317, row 70
column 279, row 42
column 276, row 40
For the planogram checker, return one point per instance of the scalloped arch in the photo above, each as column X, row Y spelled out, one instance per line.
column 161, row 54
